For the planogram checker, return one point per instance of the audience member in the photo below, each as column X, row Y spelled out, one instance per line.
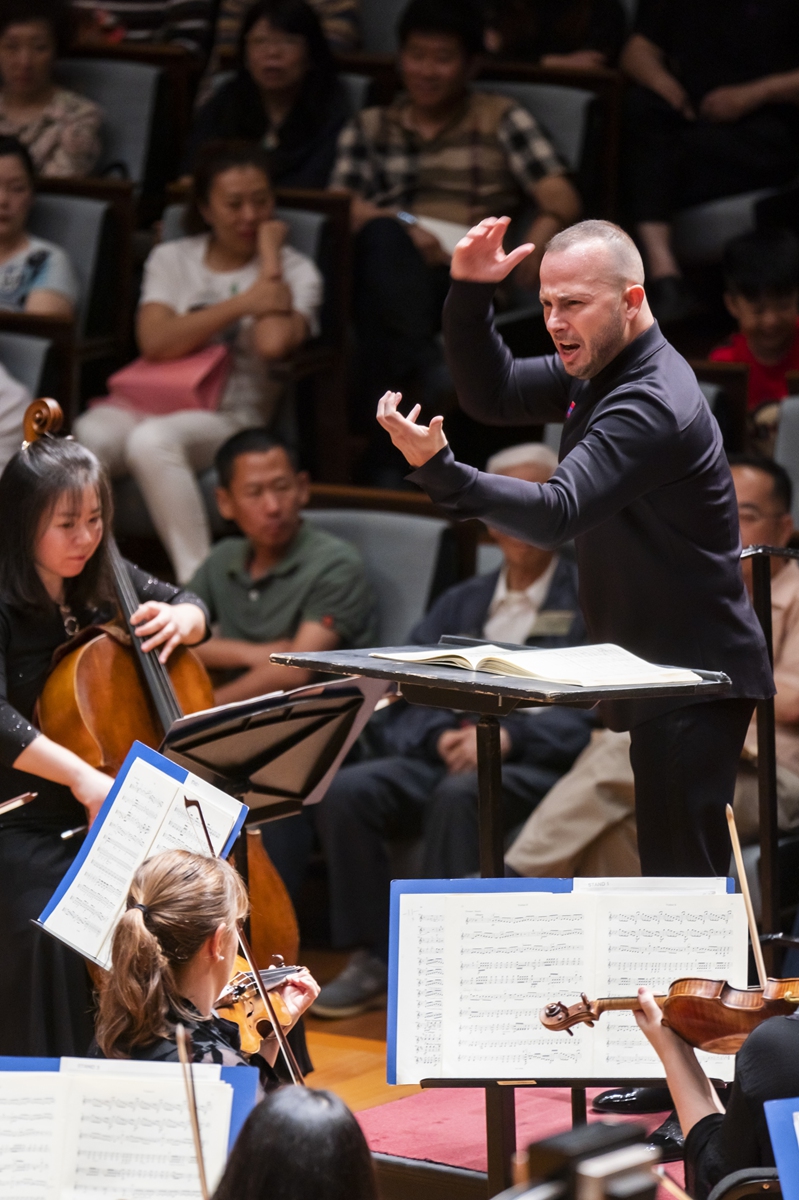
column 761, row 291
column 422, row 777
column 715, row 112
column 184, row 23
column 421, row 171
column 285, row 94
column 297, row 1144
column 60, row 128
column 283, row 585
column 36, row 276
column 339, row 19
column 578, row 34
column 586, row 824
column 238, row 283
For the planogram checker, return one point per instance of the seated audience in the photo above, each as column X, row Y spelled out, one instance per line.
column 36, row 276
column 299, row 1144
column 172, row 955
column 60, row 128
column 185, row 23
column 283, row 585
column 421, row 171
column 719, row 1141
column 238, row 283
column 586, row 824
column 285, row 94
column 761, row 291
column 421, row 776
column 339, row 19
column 578, row 34
column 715, row 112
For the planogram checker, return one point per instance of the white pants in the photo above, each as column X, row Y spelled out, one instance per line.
column 164, row 455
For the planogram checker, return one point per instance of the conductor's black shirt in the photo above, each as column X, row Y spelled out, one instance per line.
column 643, row 488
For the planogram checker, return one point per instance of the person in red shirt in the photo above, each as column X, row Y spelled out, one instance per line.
column 761, row 291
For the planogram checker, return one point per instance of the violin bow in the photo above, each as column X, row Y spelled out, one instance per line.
column 184, row 1042
column 757, row 949
column 293, row 1066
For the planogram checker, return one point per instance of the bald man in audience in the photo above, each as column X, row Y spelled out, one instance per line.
column 586, row 824
column 422, row 777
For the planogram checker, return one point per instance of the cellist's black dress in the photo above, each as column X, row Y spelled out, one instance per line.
column 45, row 996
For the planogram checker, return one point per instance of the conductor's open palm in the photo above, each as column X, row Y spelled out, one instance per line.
column 417, row 442
column 479, row 256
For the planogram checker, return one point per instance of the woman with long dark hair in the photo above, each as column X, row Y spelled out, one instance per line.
column 55, row 579
column 296, row 1144
column 285, row 94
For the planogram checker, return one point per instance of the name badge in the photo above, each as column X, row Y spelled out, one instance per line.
column 552, row 622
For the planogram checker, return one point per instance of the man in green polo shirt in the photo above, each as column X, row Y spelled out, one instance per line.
column 284, row 585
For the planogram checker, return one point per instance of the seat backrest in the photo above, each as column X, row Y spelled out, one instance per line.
column 379, row 25
column 700, row 233
column 752, row 1183
column 24, row 356
column 76, row 224
column 786, row 448
column 357, row 87
column 400, row 553
column 305, row 227
column 127, row 93
column 561, row 111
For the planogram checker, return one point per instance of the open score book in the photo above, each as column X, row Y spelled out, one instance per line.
column 602, row 665
column 473, row 962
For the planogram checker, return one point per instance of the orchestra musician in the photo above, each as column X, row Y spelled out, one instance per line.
column 55, row 580
column 172, row 955
column 719, row 1141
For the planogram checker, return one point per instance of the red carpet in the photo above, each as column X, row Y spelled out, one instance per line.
column 447, row 1125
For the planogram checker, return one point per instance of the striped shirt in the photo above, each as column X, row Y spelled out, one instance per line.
column 485, row 162
column 180, row 22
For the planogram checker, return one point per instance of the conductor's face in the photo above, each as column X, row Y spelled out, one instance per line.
column 589, row 312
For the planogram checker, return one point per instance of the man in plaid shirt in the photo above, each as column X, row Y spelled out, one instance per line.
column 422, row 171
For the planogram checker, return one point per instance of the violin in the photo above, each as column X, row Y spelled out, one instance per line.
column 708, row 1014
column 242, row 1003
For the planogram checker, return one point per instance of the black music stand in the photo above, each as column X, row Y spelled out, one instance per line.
column 491, row 696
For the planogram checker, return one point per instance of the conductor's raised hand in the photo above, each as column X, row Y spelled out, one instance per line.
column 479, row 257
column 418, row 443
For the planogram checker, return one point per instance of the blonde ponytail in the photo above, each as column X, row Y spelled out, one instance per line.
column 177, row 900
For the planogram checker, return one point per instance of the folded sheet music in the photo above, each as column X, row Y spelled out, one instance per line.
column 143, row 814
column 109, row 1133
column 470, row 971
column 603, row 665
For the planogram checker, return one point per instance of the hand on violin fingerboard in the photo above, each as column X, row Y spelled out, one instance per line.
column 298, row 993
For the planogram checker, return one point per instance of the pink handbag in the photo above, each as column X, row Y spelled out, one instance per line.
column 195, row 381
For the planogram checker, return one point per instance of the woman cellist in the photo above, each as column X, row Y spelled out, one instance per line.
column 55, row 579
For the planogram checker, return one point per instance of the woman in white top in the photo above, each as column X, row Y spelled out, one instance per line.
column 238, row 283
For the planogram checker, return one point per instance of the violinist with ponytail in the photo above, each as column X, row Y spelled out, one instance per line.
column 172, row 955
column 55, row 579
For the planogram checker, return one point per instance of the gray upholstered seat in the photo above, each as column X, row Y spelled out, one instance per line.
column 24, row 356
column 786, row 449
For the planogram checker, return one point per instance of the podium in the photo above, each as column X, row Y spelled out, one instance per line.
column 490, row 697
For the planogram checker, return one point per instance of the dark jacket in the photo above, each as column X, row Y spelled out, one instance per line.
column 306, row 141
column 550, row 737
column 643, row 488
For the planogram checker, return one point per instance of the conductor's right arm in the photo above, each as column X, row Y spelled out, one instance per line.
column 492, row 386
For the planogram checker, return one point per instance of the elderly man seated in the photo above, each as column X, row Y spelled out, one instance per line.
column 422, row 775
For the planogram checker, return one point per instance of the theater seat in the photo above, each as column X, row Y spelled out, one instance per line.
column 700, row 233
column 753, row 1183
column 786, row 449
column 24, row 356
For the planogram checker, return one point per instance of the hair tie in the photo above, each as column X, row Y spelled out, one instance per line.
column 143, row 909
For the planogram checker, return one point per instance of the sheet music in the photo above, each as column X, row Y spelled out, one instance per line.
column 507, row 954
column 132, row 1137
column 31, row 1126
column 147, row 815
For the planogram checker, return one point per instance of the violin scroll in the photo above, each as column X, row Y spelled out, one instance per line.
column 558, row 1016
column 42, row 416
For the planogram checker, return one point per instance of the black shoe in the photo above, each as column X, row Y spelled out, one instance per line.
column 671, row 300
column 669, row 1139
column 633, row 1100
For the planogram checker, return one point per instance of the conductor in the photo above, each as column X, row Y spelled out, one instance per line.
column 643, row 488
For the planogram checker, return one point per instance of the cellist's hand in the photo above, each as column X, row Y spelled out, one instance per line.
column 91, row 787
column 168, row 626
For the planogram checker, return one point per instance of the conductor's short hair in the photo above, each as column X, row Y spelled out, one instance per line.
column 248, row 441
column 782, row 486
column 623, row 250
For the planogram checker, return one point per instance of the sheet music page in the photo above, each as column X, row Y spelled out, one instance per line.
column 420, row 986
column 507, row 954
column 651, row 943
column 31, row 1133
column 131, row 1138
column 148, row 815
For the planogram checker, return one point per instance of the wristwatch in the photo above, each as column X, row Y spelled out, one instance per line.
column 407, row 218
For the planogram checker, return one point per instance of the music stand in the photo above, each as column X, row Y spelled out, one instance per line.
column 490, row 696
